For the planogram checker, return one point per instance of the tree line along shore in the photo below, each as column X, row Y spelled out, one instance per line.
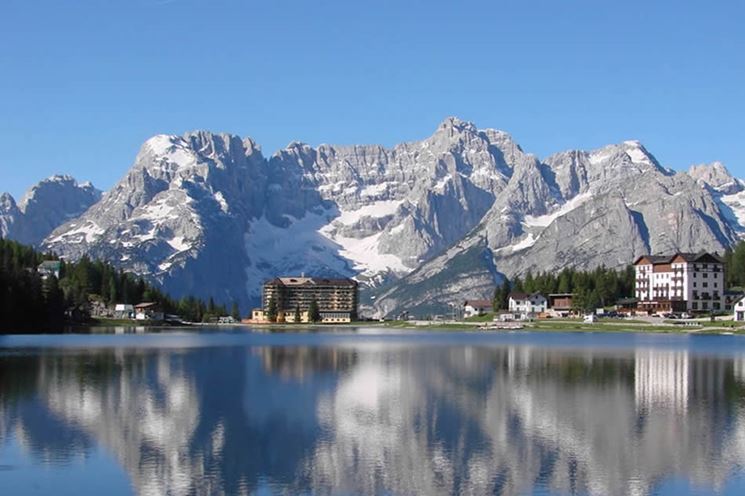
column 34, row 301
column 31, row 300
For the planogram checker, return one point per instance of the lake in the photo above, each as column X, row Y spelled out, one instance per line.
column 371, row 411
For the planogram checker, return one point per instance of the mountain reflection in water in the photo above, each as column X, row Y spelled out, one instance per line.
column 377, row 417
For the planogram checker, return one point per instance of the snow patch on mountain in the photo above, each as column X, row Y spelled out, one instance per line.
column 733, row 209
column 294, row 248
column 179, row 243
column 637, row 156
column 546, row 220
column 440, row 185
column 374, row 190
column 366, row 257
column 523, row 244
column 220, row 199
column 87, row 232
column 376, row 209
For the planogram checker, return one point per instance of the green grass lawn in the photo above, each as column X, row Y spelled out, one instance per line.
column 487, row 317
column 607, row 327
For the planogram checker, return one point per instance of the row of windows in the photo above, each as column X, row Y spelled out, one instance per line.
column 705, row 305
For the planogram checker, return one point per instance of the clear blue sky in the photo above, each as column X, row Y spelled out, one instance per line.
column 84, row 83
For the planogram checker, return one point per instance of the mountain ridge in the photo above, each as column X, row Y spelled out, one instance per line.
column 209, row 212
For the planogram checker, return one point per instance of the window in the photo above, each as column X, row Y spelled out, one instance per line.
column 694, row 305
column 704, row 305
column 694, row 284
column 706, row 284
column 705, row 275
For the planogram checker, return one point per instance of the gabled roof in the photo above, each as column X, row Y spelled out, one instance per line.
column 518, row 295
column 687, row 256
column 478, row 303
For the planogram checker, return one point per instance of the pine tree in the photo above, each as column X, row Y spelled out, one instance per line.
column 297, row 314
column 235, row 313
column 271, row 309
column 112, row 289
column 501, row 296
column 314, row 314
column 54, row 302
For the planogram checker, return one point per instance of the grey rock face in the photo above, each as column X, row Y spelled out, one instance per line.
column 716, row 176
column 178, row 215
column 44, row 207
column 190, row 203
column 727, row 191
column 583, row 209
column 422, row 225
column 9, row 214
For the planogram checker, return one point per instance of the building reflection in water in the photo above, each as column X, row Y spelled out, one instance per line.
column 396, row 419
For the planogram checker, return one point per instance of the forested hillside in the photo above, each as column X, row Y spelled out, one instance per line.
column 31, row 303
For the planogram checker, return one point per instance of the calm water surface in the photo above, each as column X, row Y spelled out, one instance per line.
column 369, row 411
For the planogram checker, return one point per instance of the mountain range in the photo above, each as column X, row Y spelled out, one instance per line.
column 422, row 225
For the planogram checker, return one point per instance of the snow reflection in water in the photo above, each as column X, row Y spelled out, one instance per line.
column 405, row 417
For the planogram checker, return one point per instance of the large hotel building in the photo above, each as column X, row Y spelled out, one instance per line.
column 682, row 282
column 336, row 299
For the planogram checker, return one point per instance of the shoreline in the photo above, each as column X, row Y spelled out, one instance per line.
column 709, row 328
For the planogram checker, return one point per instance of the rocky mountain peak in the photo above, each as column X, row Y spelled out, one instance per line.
column 9, row 213
column 465, row 203
column 45, row 206
column 716, row 176
column 7, row 202
column 57, row 185
column 455, row 125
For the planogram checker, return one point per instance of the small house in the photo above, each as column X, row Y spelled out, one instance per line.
column 49, row 268
column 124, row 311
column 148, row 311
column 561, row 303
column 473, row 308
column 730, row 298
column 527, row 303
column 627, row 305
column 739, row 309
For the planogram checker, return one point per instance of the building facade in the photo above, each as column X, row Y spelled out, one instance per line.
column 527, row 303
column 336, row 299
column 474, row 308
column 561, row 304
column 682, row 282
column 739, row 309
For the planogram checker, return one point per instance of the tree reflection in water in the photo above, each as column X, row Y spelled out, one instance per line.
column 374, row 418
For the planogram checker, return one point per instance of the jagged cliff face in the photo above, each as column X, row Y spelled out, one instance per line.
column 422, row 225
column 579, row 209
column 45, row 207
column 208, row 214
column 9, row 213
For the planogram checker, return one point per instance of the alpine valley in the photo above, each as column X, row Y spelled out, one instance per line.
column 421, row 225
